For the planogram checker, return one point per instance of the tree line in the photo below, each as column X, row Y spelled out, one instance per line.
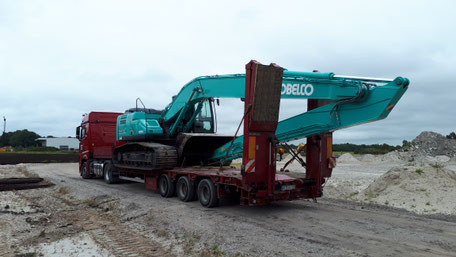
column 19, row 138
column 369, row 149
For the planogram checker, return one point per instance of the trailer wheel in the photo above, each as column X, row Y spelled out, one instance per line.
column 85, row 172
column 165, row 186
column 185, row 189
column 207, row 193
column 109, row 176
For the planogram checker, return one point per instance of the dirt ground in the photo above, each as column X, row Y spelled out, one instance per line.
column 79, row 217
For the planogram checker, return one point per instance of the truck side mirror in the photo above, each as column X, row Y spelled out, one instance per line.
column 78, row 129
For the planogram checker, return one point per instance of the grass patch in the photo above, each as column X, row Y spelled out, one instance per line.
column 212, row 251
column 353, row 194
column 63, row 190
column 26, row 173
column 419, row 171
column 436, row 165
column 189, row 241
column 150, row 219
column 17, row 253
column 428, row 203
column 91, row 203
column 161, row 233
column 42, row 152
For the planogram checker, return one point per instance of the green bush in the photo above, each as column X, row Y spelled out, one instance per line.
column 452, row 135
column 371, row 150
column 18, row 149
column 365, row 149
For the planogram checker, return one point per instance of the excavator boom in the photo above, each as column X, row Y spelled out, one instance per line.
column 375, row 103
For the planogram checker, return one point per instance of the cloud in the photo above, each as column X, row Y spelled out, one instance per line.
column 60, row 59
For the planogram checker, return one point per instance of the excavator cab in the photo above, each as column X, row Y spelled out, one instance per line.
column 204, row 121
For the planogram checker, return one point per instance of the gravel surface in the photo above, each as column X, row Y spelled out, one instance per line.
column 329, row 227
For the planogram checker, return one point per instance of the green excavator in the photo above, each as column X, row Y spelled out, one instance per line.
column 183, row 133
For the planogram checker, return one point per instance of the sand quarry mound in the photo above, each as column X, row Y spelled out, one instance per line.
column 388, row 157
column 347, row 159
column 430, row 143
column 418, row 189
column 391, row 157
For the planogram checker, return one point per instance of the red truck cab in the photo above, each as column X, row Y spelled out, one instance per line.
column 97, row 139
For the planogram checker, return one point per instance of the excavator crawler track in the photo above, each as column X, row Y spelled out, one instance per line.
column 145, row 156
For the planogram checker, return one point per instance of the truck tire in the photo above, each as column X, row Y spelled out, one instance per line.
column 84, row 171
column 185, row 189
column 108, row 174
column 207, row 193
column 165, row 186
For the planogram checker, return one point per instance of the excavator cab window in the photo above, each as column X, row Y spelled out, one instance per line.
column 204, row 122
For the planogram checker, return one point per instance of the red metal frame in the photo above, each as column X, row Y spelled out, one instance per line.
column 258, row 159
column 318, row 153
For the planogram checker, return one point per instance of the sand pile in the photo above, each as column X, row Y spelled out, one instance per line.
column 342, row 188
column 347, row 158
column 369, row 158
column 419, row 189
column 437, row 159
column 394, row 157
column 432, row 144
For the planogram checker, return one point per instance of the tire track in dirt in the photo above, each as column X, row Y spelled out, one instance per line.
column 108, row 230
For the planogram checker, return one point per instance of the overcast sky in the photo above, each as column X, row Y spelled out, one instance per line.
column 60, row 59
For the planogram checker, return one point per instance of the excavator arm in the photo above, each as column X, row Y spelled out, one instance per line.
column 372, row 103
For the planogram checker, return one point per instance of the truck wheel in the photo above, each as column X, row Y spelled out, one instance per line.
column 85, row 172
column 109, row 177
column 207, row 193
column 165, row 186
column 185, row 189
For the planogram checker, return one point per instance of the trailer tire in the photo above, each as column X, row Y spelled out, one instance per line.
column 108, row 174
column 165, row 186
column 84, row 171
column 207, row 193
column 185, row 189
